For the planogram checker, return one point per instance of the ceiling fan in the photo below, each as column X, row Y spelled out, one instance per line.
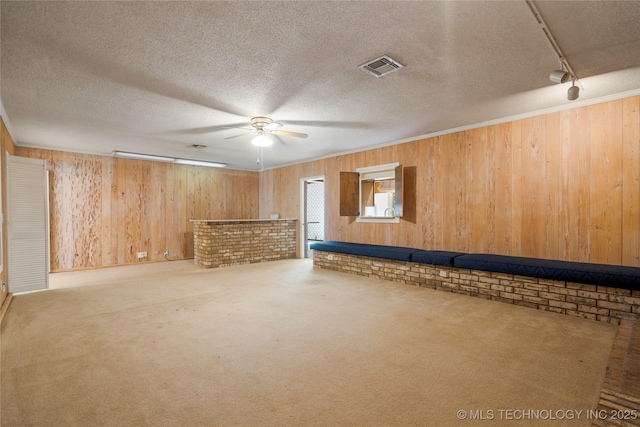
column 263, row 126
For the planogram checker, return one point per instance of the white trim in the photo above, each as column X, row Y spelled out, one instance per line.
column 378, row 219
column 378, row 168
column 302, row 223
column 7, row 122
column 369, row 173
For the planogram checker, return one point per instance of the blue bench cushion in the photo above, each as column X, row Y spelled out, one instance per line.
column 614, row 276
column 361, row 249
column 444, row 258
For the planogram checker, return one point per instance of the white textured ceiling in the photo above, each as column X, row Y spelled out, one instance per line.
column 157, row 77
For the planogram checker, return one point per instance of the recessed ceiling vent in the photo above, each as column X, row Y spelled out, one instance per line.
column 198, row 146
column 381, row 66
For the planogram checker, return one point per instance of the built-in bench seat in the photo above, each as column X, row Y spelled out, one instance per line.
column 614, row 276
column 595, row 291
column 376, row 251
column 445, row 258
column 398, row 253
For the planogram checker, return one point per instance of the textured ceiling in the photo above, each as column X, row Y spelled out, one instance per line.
column 157, row 77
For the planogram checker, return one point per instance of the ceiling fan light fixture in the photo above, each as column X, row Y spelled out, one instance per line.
column 261, row 140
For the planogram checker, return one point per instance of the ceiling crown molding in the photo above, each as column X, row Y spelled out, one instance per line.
column 7, row 122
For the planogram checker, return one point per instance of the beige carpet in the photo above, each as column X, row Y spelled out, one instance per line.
column 282, row 344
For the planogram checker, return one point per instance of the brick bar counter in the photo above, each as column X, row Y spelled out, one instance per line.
column 221, row 243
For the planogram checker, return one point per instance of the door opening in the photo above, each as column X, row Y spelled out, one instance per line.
column 312, row 213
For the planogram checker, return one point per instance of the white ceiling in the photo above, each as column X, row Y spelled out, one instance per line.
column 157, row 77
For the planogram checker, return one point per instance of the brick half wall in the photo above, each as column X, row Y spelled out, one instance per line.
column 225, row 243
column 574, row 299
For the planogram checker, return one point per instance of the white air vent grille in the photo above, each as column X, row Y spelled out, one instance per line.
column 381, row 66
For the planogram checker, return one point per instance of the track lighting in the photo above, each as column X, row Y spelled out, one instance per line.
column 573, row 92
column 566, row 72
column 559, row 76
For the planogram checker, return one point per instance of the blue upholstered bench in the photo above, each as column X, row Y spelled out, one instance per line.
column 397, row 253
column 612, row 292
column 613, row 276
column 377, row 251
column 444, row 258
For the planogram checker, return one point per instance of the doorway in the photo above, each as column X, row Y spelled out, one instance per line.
column 312, row 213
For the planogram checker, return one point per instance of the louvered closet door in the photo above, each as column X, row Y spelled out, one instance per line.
column 27, row 225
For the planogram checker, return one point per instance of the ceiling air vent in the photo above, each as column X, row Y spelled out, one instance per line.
column 198, row 146
column 381, row 66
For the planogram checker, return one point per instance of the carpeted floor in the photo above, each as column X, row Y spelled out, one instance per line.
column 282, row 344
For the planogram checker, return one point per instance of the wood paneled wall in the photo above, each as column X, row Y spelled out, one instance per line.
column 104, row 210
column 561, row 186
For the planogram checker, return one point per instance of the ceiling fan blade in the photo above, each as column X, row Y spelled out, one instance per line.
column 287, row 133
column 236, row 136
column 273, row 126
column 208, row 129
column 331, row 123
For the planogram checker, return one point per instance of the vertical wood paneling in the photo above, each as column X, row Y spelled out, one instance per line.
column 575, row 138
column 516, row 189
column 105, row 217
column 440, row 180
column 407, row 234
column 175, row 228
column 503, row 174
column 115, row 227
column 158, row 215
column 69, row 203
column 104, row 210
column 481, row 196
column 133, row 209
column 605, row 201
column 425, row 194
column 553, row 159
column 121, row 243
column 631, row 181
column 57, row 217
column 453, row 182
column 562, row 186
column 533, row 187
column 88, row 209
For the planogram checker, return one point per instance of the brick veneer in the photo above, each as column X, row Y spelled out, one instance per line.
column 620, row 393
column 574, row 299
column 225, row 243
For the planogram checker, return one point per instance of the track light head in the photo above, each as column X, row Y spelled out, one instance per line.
column 559, row 76
column 574, row 92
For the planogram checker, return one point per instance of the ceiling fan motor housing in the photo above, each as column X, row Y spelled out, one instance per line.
column 260, row 122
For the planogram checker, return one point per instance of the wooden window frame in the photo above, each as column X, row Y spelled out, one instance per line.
column 351, row 189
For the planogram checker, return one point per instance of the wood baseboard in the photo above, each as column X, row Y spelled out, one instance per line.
column 5, row 306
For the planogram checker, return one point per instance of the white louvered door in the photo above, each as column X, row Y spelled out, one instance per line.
column 27, row 224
